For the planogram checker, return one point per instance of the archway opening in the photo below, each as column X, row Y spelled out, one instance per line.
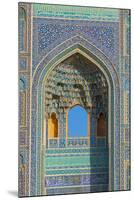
column 77, row 91
column 77, row 122
column 101, row 125
column 52, row 126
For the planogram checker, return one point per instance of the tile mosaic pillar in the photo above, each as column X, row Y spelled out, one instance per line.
column 25, row 51
column 93, row 128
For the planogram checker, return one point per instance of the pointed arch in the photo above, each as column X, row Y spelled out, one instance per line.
column 77, row 122
column 22, row 28
column 46, row 65
column 101, row 125
column 52, row 126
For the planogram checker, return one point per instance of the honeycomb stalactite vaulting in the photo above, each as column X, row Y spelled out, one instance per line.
column 75, row 81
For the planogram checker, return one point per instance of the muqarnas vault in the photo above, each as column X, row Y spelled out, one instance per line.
column 74, row 99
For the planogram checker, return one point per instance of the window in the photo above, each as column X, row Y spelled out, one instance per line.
column 101, row 125
column 53, row 126
column 77, row 122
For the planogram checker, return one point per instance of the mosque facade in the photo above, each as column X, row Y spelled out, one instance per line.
column 74, row 99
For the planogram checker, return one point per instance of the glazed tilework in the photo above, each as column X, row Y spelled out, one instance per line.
column 71, row 55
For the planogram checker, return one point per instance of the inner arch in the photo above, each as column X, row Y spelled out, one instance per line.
column 50, row 63
column 76, row 90
column 77, row 122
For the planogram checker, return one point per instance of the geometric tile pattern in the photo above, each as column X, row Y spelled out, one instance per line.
column 73, row 55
